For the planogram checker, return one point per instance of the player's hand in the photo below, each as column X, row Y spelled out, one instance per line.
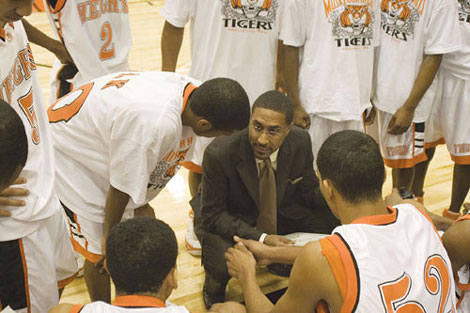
column 240, row 262
column 301, row 117
column 259, row 250
column 369, row 119
column 6, row 193
column 101, row 264
column 400, row 121
column 228, row 307
column 280, row 84
column 276, row 240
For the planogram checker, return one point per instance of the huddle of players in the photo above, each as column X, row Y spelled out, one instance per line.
column 423, row 30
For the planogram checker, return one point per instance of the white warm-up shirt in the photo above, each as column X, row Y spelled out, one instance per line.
column 337, row 40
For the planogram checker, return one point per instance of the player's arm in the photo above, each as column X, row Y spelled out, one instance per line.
column 116, row 202
column 266, row 255
column 280, row 84
column 457, row 243
column 290, row 66
column 172, row 38
column 39, row 38
column 403, row 117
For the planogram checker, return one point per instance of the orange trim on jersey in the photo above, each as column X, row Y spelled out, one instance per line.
column 440, row 141
column 139, row 301
column 188, row 90
column 3, row 33
column 76, row 308
column 460, row 159
column 192, row 167
column 352, row 276
column 25, row 271
column 64, row 282
column 90, row 256
column 58, row 6
column 406, row 163
column 383, row 219
column 336, row 264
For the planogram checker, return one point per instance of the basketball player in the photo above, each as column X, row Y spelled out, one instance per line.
column 142, row 263
column 457, row 243
column 451, row 110
column 380, row 255
column 119, row 139
column 97, row 41
column 28, row 279
column 328, row 61
column 236, row 39
column 422, row 31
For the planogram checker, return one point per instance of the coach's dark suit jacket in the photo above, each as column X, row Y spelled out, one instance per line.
column 230, row 191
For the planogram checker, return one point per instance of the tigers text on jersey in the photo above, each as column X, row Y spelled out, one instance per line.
column 411, row 30
column 129, row 304
column 20, row 88
column 96, row 34
column 399, row 262
column 231, row 38
column 122, row 129
column 458, row 63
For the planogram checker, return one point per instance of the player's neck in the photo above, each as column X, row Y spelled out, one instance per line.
column 188, row 118
column 157, row 295
column 348, row 212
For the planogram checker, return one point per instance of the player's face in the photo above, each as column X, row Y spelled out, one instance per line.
column 14, row 10
column 267, row 131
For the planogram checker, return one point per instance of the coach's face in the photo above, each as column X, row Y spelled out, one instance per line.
column 14, row 10
column 267, row 131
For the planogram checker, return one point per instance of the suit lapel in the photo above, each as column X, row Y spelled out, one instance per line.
column 284, row 160
column 247, row 168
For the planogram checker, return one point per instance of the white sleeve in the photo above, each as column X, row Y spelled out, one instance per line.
column 135, row 150
column 293, row 26
column 176, row 12
column 442, row 34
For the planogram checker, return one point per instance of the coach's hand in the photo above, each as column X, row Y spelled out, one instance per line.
column 276, row 240
column 400, row 121
column 228, row 307
column 241, row 263
column 5, row 195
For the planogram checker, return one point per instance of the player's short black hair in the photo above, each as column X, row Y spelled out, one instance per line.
column 351, row 160
column 223, row 102
column 276, row 101
column 140, row 253
column 13, row 143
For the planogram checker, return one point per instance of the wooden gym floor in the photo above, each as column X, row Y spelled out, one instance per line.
column 172, row 203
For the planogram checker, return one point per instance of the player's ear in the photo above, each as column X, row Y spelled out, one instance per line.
column 203, row 125
column 328, row 188
column 173, row 278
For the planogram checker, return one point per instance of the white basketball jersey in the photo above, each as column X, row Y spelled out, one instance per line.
column 130, row 304
column 20, row 88
column 463, row 285
column 400, row 264
column 96, row 34
column 122, row 129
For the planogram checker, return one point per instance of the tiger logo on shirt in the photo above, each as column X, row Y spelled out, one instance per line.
column 356, row 18
column 352, row 24
column 399, row 18
column 249, row 14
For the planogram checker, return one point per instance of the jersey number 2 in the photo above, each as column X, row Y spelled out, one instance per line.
column 436, row 280
column 106, row 35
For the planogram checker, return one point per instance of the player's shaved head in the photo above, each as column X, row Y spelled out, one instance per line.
column 351, row 160
column 13, row 144
column 276, row 101
column 223, row 102
column 140, row 253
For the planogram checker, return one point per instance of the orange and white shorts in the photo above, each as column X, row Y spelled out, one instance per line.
column 401, row 151
column 450, row 117
column 86, row 234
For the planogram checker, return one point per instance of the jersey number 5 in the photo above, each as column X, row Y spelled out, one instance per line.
column 106, row 35
column 436, row 280
column 26, row 104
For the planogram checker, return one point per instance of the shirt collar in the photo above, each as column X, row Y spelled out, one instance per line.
column 139, row 301
column 273, row 158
